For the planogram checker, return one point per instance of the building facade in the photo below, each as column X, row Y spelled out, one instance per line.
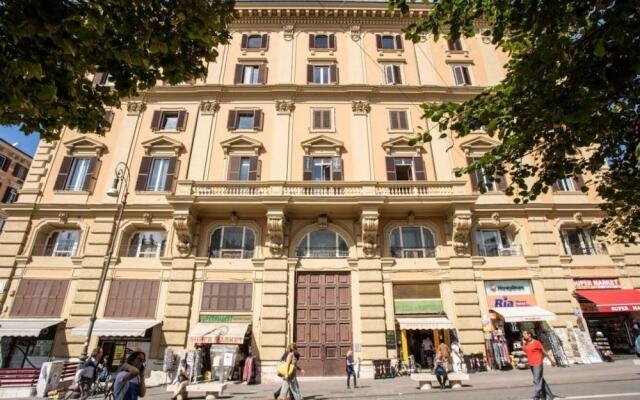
column 280, row 199
column 14, row 165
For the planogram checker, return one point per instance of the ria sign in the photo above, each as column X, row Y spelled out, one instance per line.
column 512, row 293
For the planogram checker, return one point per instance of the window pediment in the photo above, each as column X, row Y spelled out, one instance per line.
column 162, row 145
column 84, row 146
column 323, row 145
column 478, row 145
column 242, row 144
column 401, row 144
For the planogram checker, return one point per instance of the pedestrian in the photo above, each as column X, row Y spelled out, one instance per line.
column 182, row 379
column 350, row 369
column 90, row 370
column 637, row 344
column 427, row 352
column 535, row 354
column 456, row 357
column 129, row 383
column 442, row 365
column 290, row 389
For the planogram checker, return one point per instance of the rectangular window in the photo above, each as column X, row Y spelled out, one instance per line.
column 218, row 296
column 158, row 175
column 78, row 174
column 245, row 120
column 404, row 168
column 169, row 121
column 388, row 42
column 321, row 42
column 245, row 166
column 482, row 178
column 39, row 298
column 321, row 74
column 19, row 171
column 392, row 74
column 461, row 75
column 254, row 42
column 250, row 74
column 321, row 169
column 578, row 242
column 565, row 185
column 10, row 196
column 163, row 120
column 322, row 120
column 454, row 45
column 3, row 161
column 492, row 242
column 398, row 120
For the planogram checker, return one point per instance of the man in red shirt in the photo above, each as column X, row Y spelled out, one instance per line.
column 535, row 354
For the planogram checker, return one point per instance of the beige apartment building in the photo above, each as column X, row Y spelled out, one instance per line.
column 280, row 200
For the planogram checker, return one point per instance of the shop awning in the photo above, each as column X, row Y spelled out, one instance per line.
column 521, row 314
column 613, row 300
column 219, row 332
column 26, row 327
column 117, row 327
column 417, row 323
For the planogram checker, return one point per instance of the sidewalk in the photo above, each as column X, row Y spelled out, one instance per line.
column 335, row 388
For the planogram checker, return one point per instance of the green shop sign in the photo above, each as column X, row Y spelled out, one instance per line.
column 413, row 306
column 225, row 318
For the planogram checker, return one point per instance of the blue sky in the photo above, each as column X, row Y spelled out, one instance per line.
column 12, row 134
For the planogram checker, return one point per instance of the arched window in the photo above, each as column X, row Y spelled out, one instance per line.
column 232, row 242
column 323, row 243
column 412, row 242
column 149, row 244
column 62, row 243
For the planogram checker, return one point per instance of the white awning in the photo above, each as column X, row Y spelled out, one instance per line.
column 219, row 332
column 417, row 323
column 117, row 327
column 26, row 327
column 520, row 314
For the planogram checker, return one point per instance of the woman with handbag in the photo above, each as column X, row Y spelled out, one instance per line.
column 287, row 369
column 442, row 363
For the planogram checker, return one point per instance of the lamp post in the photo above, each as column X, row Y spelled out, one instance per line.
column 123, row 178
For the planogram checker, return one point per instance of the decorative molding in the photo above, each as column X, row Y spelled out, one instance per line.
column 578, row 218
column 162, row 144
column 369, row 222
column 208, row 107
column 356, row 32
column 323, row 221
column 460, row 236
column 233, row 217
column 495, row 217
column 360, row 107
column 288, row 32
column 84, row 145
column 323, row 144
column 148, row 218
column 275, row 232
column 136, row 107
column 242, row 143
column 183, row 225
column 285, row 106
column 401, row 144
column 63, row 217
column 411, row 218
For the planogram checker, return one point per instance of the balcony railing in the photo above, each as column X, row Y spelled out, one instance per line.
column 511, row 251
column 404, row 252
column 322, row 252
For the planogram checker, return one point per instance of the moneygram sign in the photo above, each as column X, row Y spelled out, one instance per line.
column 512, row 293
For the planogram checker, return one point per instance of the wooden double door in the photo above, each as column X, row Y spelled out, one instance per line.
column 323, row 322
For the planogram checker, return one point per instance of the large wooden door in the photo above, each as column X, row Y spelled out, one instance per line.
column 323, row 321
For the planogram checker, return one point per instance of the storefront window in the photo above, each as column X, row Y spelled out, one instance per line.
column 412, row 242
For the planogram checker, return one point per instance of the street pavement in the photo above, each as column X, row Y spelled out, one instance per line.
column 618, row 380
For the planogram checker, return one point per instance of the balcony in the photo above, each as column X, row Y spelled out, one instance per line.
column 499, row 251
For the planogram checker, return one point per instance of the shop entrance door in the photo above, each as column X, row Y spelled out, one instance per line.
column 323, row 322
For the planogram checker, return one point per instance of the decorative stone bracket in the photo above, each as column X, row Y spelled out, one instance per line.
column 460, row 235
column 285, row 106
column 136, row 107
column 275, row 232
column 209, row 107
column 184, row 224
column 369, row 222
column 360, row 107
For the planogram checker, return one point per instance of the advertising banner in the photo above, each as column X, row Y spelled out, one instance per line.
column 510, row 293
column 597, row 283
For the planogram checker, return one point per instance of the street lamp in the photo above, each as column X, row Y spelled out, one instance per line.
column 122, row 178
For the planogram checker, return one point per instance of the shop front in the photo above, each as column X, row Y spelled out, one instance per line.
column 612, row 314
column 421, row 323
column 27, row 343
column 512, row 309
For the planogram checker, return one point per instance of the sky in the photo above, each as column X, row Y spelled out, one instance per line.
column 12, row 134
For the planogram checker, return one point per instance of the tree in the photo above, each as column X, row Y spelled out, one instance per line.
column 569, row 101
column 50, row 48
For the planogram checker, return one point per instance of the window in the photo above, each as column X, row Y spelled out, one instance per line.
column 565, row 185
column 245, row 120
column 480, row 178
column 493, row 243
column 323, row 243
column 250, row 74
column 40, row 298
column 398, row 120
column 405, row 169
column 578, row 242
column 19, row 171
column 132, row 298
column 412, row 242
column 483, row 179
column 103, row 79
column 389, row 42
column 461, row 75
column 243, row 168
column 147, row 244
column 78, row 174
column 62, row 243
column 321, row 74
column 454, row 45
column 232, row 242
column 322, row 120
column 321, row 42
column 169, row 121
column 218, row 296
column 254, row 42
column 10, row 196
column 1, row 224
column 164, row 120
column 392, row 75
column 4, row 162
column 322, row 168
column 158, row 175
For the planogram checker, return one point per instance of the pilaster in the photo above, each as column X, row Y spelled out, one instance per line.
column 372, row 309
column 357, row 73
column 361, row 142
column 179, row 303
column 200, row 155
column 281, row 148
column 38, row 172
column 466, row 304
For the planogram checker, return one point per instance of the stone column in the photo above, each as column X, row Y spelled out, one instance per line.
column 361, row 141
column 281, row 148
column 200, row 157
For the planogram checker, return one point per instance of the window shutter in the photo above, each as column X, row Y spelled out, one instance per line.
column 253, row 168
column 92, row 173
column 474, row 177
column 108, row 116
column 182, row 120
column 399, row 44
column 171, row 174
column 397, row 78
column 467, row 78
column 234, row 168
column 143, row 174
column 309, row 73
column 312, row 41
column 98, row 78
column 379, row 42
column 237, row 76
column 307, row 167
column 332, row 41
column 243, row 42
column 336, row 169
column 333, row 71
column 265, row 41
column 418, row 166
column 231, row 120
column 155, row 120
column 394, row 120
column 578, row 182
column 257, row 119
column 65, row 167
column 6, row 164
column 502, row 185
column 391, row 168
column 262, row 74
